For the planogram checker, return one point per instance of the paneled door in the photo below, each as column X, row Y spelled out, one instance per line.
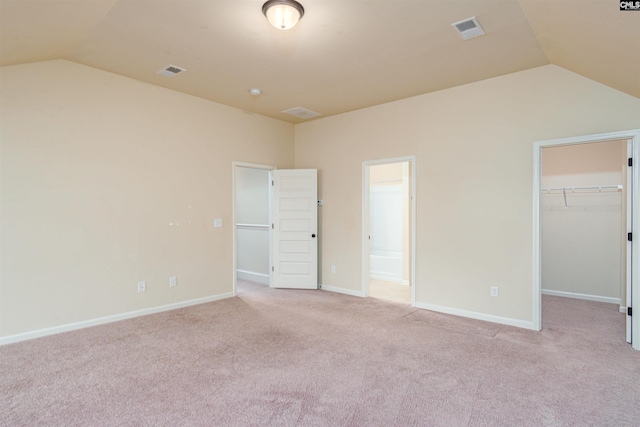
column 295, row 229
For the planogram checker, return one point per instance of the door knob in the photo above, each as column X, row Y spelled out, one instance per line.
column 313, row 235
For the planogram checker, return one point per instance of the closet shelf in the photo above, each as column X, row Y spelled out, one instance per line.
column 252, row 226
column 593, row 189
column 597, row 188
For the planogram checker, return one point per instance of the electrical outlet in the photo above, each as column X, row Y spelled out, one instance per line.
column 333, row 268
column 494, row 291
column 142, row 286
column 173, row 281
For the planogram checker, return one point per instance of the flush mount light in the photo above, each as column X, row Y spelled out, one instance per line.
column 283, row 14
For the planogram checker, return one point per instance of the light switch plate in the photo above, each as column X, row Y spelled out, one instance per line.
column 217, row 223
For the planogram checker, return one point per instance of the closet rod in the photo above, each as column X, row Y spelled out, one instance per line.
column 594, row 188
column 252, row 226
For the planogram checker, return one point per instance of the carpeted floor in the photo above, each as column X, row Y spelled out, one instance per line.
column 314, row 358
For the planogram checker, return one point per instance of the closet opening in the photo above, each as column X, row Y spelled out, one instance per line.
column 251, row 219
column 584, row 223
column 586, row 207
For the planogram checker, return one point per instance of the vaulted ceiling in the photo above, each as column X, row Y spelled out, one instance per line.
column 343, row 55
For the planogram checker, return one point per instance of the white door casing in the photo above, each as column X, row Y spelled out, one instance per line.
column 294, row 229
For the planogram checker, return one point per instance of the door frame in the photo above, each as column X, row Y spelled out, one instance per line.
column 634, row 136
column 234, row 264
column 366, row 165
column 628, row 245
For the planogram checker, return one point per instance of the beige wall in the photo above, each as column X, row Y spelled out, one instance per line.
column 385, row 174
column 95, row 167
column 582, row 243
column 474, row 166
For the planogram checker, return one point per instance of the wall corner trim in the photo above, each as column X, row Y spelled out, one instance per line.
column 10, row 339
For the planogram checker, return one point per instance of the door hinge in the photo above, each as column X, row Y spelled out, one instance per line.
column 630, row 162
column 629, row 311
column 272, row 184
column 272, row 227
column 273, row 268
column 630, row 237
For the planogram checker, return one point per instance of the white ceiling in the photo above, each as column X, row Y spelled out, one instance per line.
column 343, row 55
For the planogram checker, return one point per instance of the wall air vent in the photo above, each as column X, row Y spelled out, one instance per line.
column 170, row 71
column 468, row 28
column 301, row 113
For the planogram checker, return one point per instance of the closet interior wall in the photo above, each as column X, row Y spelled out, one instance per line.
column 583, row 251
column 252, row 224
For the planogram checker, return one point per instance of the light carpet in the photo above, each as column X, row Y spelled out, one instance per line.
column 315, row 358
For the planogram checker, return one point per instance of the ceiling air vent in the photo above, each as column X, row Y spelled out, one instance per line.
column 301, row 113
column 468, row 28
column 170, row 71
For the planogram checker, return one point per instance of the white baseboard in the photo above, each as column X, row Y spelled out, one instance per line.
column 376, row 276
column 587, row 297
column 108, row 319
column 478, row 316
column 447, row 310
column 342, row 290
column 252, row 276
column 623, row 309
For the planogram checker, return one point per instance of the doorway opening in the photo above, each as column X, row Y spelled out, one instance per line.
column 585, row 204
column 388, row 269
column 274, row 226
column 584, row 223
column 251, row 223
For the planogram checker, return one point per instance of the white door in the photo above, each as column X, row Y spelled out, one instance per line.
column 294, row 228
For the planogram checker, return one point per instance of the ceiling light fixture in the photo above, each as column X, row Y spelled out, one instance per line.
column 283, row 14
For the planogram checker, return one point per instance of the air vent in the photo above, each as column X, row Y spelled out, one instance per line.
column 468, row 28
column 301, row 113
column 170, row 71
